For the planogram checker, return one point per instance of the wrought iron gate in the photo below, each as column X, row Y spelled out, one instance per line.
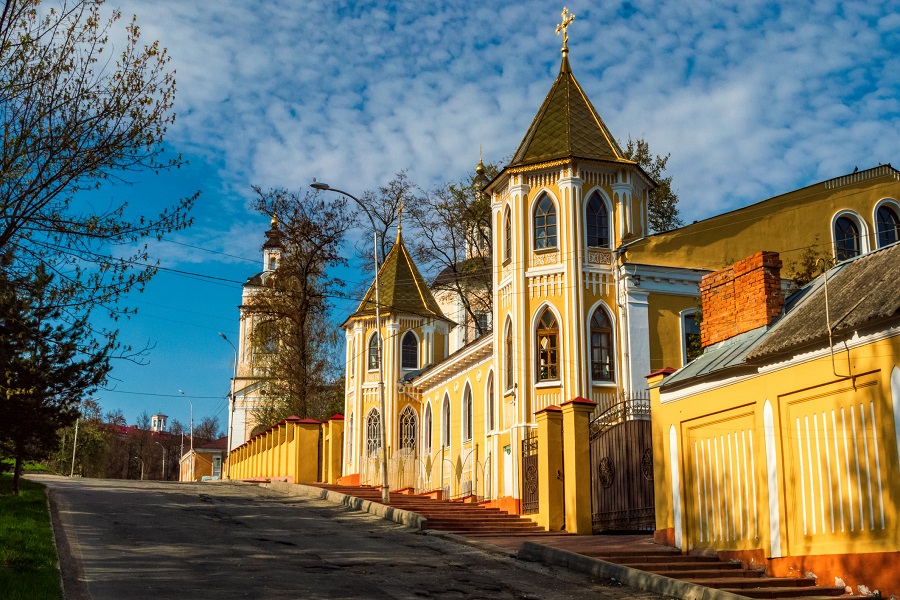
column 530, row 473
column 622, row 467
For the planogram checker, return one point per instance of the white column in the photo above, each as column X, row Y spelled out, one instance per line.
column 391, row 376
column 522, row 338
column 572, row 255
column 638, row 337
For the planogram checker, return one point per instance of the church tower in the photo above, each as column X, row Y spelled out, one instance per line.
column 413, row 335
column 562, row 208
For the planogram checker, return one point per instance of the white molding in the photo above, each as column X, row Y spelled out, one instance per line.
column 772, row 476
column 676, row 486
column 864, row 235
column 884, row 201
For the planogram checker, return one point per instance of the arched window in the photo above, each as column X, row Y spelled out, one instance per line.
column 545, row 224
column 353, row 358
column 467, row 414
column 509, row 367
column 548, row 346
column 507, row 236
column 846, row 238
column 373, row 432
column 409, row 350
column 373, row 352
column 597, row 219
column 408, row 433
column 426, row 429
column 887, row 224
column 445, row 422
column 601, row 347
column 489, row 392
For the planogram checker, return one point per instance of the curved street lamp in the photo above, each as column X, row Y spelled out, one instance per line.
column 231, row 405
column 385, row 489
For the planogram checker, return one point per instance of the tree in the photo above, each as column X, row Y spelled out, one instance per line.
column 453, row 239
column 47, row 365
column 91, row 449
column 74, row 117
column 294, row 346
column 662, row 209
column 207, row 430
column 385, row 205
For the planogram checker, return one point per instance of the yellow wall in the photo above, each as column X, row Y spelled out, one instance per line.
column 665, row 329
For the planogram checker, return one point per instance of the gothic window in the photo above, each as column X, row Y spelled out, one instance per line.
column 509, row 367
column 545, row 224
column 427, row 428
column 846, row 238
column 373, row 432
column 888, row 225
column 467, row 414
column 410, row 351
column 597, row 220
column 408, row 432
column 373, row 353
column 548, row 347
column 445, row 422
column 490, row 402
column 507, row 236
column 601, row 347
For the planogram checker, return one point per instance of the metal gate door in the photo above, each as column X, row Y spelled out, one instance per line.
column 622, row 468
column 530, row 473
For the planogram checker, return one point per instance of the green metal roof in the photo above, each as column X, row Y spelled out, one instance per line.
column 403, row 289
column 567, row 126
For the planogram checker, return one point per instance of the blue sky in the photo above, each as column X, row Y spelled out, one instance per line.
column 750, row 98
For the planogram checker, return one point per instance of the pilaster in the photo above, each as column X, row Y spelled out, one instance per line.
column 576, row 417
column 550, row 468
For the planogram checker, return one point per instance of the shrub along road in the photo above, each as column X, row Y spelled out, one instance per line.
column 134, row 540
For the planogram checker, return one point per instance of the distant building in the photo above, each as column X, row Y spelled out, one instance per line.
column 204, row 461
column 158, row 422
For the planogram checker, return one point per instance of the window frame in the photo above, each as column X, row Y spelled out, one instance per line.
column 551, row 212
column 408, row 418
column 611, row 345
column 373, row 423
column 427, row 426
column 690, row 312
column 410, row 334
column 372, row 362
column 446, row 422
column 490, row 422
column 467, row 414
column 893, row 207
column 509, row 368
column 601, row 199
column 862, row 231
column 548, row 371
column 507, row 235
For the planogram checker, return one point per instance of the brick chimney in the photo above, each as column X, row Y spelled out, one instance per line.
column 741, row 297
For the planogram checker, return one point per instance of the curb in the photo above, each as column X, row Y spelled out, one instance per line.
column 641, row 580
column 71, row 573
column 398, row 515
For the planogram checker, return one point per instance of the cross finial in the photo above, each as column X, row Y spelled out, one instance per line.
column 400, row 218
column 567, row 19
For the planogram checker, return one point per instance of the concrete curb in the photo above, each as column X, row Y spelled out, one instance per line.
column 641, row 580
column 71, row 571
column 477, row 544
column 404, row 517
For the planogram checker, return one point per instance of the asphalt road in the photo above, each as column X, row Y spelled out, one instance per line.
column 129, row 540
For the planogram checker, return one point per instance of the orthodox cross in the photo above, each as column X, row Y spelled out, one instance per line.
column 567, row 19
column 400, row 216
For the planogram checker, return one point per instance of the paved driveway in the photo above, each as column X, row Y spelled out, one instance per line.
column 132, row 540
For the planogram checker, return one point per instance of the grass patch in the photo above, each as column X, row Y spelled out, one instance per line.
column 27, row 554
column 27, row 466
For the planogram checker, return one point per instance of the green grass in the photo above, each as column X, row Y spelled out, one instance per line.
column 27, row 554
column 27, row 466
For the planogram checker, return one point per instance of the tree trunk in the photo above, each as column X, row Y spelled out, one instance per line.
column 17, row 473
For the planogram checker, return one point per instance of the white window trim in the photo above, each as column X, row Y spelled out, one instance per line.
column 418, row 350
column 864, row 247
column 681, row 316
column 610, row 217
column 613, row 343
column 883, row 202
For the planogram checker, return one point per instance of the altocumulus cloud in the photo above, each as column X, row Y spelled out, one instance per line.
column 751, row 98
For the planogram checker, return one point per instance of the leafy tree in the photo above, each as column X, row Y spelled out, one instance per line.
column 662, row 209
column 47, row 365
column 453, row 239
column 808, row 265
column 90, row 443
column 75, row 115
column 295, row 348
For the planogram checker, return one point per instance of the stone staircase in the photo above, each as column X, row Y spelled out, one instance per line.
column 454, row 517
column 727, row 576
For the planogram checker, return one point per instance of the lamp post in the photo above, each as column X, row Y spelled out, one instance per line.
column 385, row 490
column 142, row 466
column 192, row 431
column 164, row 461
column 230, row 404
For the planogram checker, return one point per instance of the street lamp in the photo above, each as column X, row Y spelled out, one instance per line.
column 164, row 461
column 385, row 490
column 142, row 466
column 230, row 404
column 192, row 431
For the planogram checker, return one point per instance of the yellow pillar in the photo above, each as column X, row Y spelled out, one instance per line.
column 577, row 456
column 335, row 448
column 550, row 464
column 307, row 450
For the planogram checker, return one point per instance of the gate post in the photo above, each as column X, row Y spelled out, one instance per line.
column 550, row 464
column 577, row 462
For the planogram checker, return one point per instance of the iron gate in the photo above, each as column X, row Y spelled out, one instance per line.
column 530, row 473
column 622, row 467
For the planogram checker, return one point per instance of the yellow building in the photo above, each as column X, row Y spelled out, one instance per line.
column 780, row 445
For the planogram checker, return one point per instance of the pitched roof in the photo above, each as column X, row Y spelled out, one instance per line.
column 403, row 288
column 567, row 126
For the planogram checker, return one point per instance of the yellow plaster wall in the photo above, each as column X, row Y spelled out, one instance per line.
column 665, row 329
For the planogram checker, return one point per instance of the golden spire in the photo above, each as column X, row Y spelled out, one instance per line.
column 480, row 167
column 274, row 221
column 400, row 219
column 567, row 19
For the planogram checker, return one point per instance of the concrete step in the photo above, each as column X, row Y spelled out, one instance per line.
column 779, row 593
column 754, row 583
column 690, row 567
column 663, row 558
column 704, row 576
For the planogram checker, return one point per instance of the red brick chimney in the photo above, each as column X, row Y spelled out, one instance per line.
column 741, row 297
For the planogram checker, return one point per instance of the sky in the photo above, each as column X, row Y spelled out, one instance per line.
column 751, row 99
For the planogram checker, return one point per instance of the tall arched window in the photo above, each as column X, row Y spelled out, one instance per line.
column 597, row 220
column 409, row 350
column 508, row 358
column 489, row 392
column 888, row 225
column 373, row 352
column 601, row 347
column 353, row 358
column 427, row 428
column 408, row 433
column 445, row 422
column 507, row 236
column 548, row 346
column 545, row 224
column 373, row 432
column 846, row 238
column 467, row 416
